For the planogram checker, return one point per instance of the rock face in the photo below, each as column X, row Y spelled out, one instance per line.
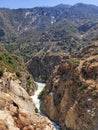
column 17, row 110
column 41, row 67
column 28, row 83
column 71, row 94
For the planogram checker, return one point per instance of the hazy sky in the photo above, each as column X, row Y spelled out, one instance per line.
column 33, row 3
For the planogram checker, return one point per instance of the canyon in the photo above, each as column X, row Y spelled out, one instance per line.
column 57, row 46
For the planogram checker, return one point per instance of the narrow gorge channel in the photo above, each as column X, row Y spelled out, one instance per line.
column 37, row 102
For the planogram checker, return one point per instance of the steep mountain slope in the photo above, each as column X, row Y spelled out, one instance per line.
column 71, row 93
column 14, row 64
column 26, row 31
column 63, row 37
column 25, row 21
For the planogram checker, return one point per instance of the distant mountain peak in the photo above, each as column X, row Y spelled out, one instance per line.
column 80, row 4
column 83, row 4
column 62, row 6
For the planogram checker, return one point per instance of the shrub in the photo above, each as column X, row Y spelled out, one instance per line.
column 74, row 62
column 1, row 58
column 1, row 71
column 36, row 110
column 29, row 82
column 18, row 74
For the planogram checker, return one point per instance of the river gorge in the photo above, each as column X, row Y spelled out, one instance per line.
column 37, row 102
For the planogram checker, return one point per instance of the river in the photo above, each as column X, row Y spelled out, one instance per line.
column 38, row 102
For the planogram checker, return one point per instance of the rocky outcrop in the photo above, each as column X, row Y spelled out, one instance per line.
column 71, row 94
column 25, row 80
column 41, row 67
column 17, row 110
column 28, row 83
column 90, row 49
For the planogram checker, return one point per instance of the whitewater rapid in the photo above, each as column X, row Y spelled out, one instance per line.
column 37, row 102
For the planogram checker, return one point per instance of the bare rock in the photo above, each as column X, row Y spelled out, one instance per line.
column 17, row 110
column 72, row 94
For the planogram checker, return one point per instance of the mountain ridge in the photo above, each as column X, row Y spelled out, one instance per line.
column 24, row 29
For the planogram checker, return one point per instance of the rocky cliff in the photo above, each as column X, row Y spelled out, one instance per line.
column 71, row 94
column 17, row 110
column 40, row 67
